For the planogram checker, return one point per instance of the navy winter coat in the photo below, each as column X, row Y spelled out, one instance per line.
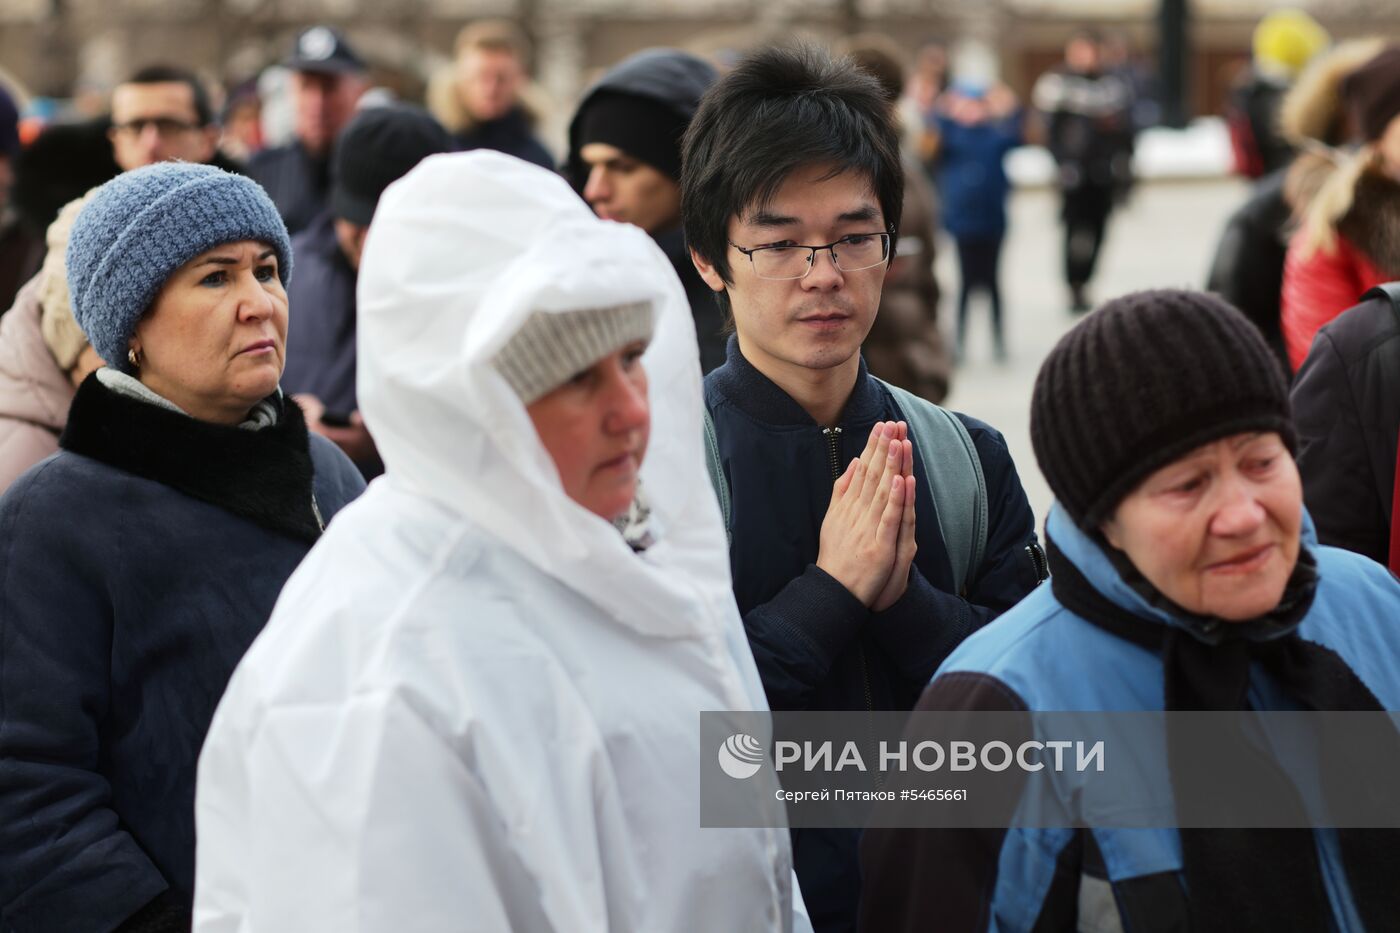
column 297, row 183
column 133, row 576
column 971, row 176
column 510, row 134
column 818, row 647
column 321, row 326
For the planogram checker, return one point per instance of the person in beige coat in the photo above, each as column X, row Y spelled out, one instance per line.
column 43, row 357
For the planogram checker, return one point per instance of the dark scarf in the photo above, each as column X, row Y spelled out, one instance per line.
column 264, row 476
column 1263, row 880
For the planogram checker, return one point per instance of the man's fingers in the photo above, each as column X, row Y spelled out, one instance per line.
column 892, row 452
column 892, row 518
column 907, row 463
column 866, row 456
column 871, row 443
column 908, row 525
column 875, row 482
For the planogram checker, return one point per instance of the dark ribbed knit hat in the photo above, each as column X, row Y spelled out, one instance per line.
column 1372, row 92
column 643, row 127
column 377, row 148
column 1144, row 380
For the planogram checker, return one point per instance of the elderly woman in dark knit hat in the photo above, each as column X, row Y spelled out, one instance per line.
column 1186, row 575
column 138, row 563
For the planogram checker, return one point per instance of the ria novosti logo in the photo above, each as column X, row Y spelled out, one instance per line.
column 741, row 756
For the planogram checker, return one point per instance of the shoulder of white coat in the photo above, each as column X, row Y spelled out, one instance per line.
column 407, row 600
column 377, row 571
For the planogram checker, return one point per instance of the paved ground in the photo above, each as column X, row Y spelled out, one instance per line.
column 1164, row 238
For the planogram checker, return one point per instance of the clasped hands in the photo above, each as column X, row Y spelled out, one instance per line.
column 867, row 538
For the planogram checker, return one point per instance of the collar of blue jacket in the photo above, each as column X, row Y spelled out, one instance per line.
column 1088, row 554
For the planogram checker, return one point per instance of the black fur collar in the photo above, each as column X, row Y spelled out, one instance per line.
column 264, row 476
column 1373, row 223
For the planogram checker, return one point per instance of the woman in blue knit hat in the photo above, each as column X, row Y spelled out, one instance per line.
column 138, row 563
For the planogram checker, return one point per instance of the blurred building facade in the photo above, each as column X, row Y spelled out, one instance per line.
column 82, row 47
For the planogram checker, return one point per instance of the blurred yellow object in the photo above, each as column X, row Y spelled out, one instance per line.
column 1286, row 40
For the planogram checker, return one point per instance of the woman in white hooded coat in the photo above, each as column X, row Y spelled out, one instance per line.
column 476, row 704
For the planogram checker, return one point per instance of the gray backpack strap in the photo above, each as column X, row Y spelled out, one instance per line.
column 953, row 472
column 717, row 478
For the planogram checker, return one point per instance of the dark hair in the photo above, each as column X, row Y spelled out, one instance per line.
column 779, row 110
column 880, row 56
column 168, row 74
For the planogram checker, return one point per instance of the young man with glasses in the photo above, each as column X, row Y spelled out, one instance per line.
column 162, row 114
column 791, row 191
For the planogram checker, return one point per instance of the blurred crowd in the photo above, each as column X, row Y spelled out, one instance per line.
column 622, row 155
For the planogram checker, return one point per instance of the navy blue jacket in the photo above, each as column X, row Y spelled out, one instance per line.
column 321, row 326
column 125, row 605
column 971, row 176
column 818, row 647
column 510, row 134
column 321, row 320
column 297, row 183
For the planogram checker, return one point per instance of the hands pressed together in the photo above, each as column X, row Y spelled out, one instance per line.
column 867, row 538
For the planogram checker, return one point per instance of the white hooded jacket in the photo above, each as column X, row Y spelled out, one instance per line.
column 474, row 707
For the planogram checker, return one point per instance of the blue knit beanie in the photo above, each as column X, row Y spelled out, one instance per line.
column 143, row 225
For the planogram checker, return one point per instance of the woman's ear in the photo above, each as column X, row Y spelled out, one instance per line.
column 1109, row 529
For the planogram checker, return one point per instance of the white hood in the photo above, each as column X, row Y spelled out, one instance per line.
column 462, row 251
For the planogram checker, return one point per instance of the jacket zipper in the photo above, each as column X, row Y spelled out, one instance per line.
column 1040, row 562
column 316, row 510
column 833, row 449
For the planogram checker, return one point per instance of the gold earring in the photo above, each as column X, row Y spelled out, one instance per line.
column 133, row 356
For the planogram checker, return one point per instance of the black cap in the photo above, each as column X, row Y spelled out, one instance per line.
column 323, row 50
column 1142, row 381
column 377, row 148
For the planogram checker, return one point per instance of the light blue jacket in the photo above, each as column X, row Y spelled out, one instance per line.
column 1051, row 659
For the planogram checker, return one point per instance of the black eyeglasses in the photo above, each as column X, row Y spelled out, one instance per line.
column 165, row 126
column 851, row 253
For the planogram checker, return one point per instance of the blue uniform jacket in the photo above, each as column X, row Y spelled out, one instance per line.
column 321, row 320
column 297, row 183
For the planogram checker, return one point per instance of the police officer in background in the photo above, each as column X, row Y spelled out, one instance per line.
column 328, row 78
